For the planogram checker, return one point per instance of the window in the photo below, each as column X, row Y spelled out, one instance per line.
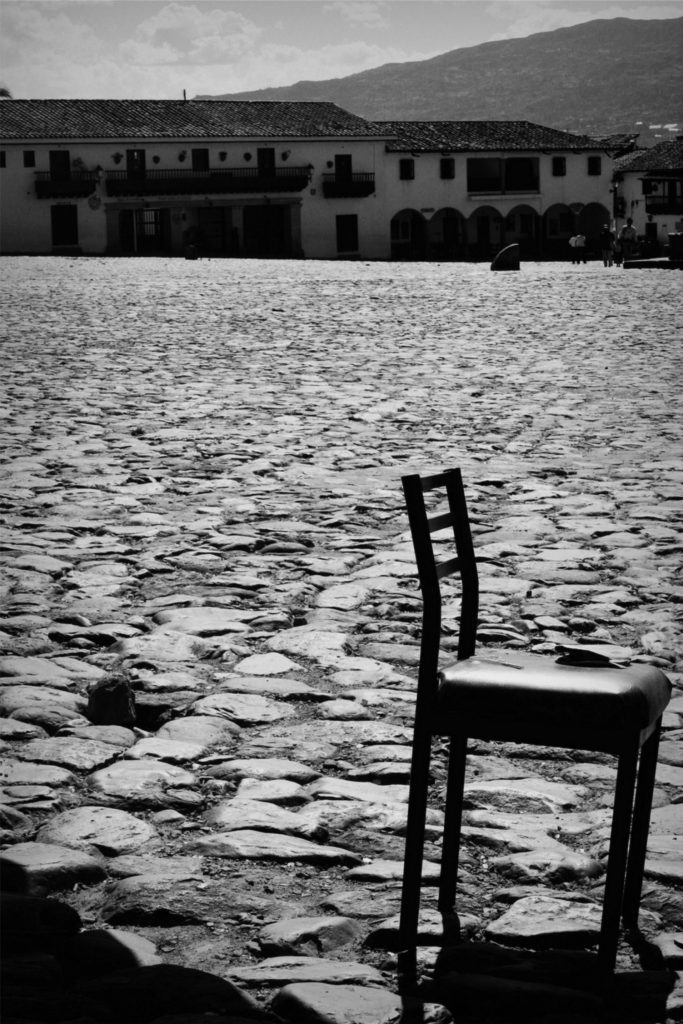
column 347, row 232
column 406, row 169
column 265, row 159
column 144, row 231
column 29, row 158
column 521, row 174
column 559, row 166
column 3, row 157
column 485, row 174
column 343, row 166
column 200, row 159
column 64, row 225
column 594, row 165
column 447, row 167
column 136, row 163
column 60, row 164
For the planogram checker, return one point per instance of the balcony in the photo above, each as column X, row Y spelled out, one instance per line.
column 348, row 186
column 214, row 182
column 76, row 185
column 664, row 204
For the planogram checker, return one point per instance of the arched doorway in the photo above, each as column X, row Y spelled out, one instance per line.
column 447, row 235
column 408, row 236
column 485, row 233
column 558, row 227
column 523, row 226
column 590, row 221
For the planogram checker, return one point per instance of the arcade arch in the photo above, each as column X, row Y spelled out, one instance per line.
column 591, row 221
column 408, row 236
column 447, row 235
column 485, row 232
column 558, row 227
column 523, row 226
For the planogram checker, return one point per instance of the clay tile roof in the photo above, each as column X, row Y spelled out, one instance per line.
column 168, row 119
column 472, row 136
column 664, row 157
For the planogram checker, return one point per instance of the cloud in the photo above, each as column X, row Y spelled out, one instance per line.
column 361, row 13
column 526, row 17
column 191, row 34
column 41, row 47
column 48, row 52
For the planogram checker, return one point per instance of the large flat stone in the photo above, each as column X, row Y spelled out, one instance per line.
column 250, row 844
column 232, row 815
column 547, row 864
column 12, row 698
column 320, row 1003
column 102, row 829
column 530, row 794
column 331, row 788
column 209, row 730
column 242, row 708
column 40, row 868
column 263, row 768
column 311, row 935
column 72, row 752
column 205, row 621
column 284, row 970
column 145, row 784
column 541, row 922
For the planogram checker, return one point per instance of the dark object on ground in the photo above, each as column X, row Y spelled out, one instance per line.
column 112, row 702
column 507, row 258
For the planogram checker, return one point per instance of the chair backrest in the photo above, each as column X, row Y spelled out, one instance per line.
column 463, row 564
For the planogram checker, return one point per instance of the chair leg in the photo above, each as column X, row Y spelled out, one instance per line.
column 640, row 827
column 412, row 864
column 616, row 862
column 450, row 850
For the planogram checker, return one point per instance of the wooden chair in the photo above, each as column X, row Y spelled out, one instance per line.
column 527, row 699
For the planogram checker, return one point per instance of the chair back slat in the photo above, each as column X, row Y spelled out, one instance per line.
column 430, row 571
column 436, row 480
column 448, row 567
column 440, row 522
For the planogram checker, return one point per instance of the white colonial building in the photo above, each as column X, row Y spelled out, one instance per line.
column 465, row 189
column 271, row 179
column 649, row 189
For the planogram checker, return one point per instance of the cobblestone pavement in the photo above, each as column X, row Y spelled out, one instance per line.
column 210, row 627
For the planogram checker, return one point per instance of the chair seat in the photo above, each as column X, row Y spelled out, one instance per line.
column 534, row 699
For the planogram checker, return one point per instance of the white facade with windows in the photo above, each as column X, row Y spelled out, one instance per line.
column 299, row 180
column 649, row 189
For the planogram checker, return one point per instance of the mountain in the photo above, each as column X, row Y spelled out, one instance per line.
column 599, row 78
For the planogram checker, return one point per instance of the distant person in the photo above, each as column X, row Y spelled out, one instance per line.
column 628, row 237
column 617, row 252
column 572, row 247
column 579, row 248
column 607, row 246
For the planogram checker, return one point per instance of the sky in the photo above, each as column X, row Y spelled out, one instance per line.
column 154, row 49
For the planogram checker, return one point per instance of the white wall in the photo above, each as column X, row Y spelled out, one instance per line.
column 26, row 223
column 631, row 190
column 26, row 220
column 428, row 192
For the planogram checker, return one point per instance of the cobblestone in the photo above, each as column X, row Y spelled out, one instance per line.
column 200, row 486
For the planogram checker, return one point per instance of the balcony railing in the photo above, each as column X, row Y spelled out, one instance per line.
column 230, row 179
column 664, row 204
column 348, row 186
column 76, row 185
